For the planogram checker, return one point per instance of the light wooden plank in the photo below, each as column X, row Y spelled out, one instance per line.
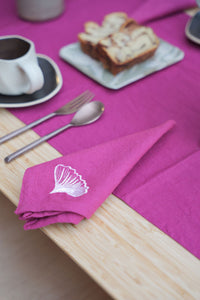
column 124, row 253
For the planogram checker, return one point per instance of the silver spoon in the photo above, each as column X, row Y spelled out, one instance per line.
column 87, row 114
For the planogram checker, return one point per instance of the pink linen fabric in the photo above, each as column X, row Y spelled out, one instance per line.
column 101, row 167
column 175, row 191
column 150, row 10
column 172, row 93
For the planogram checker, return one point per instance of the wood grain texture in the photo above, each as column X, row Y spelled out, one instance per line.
column 130, row 258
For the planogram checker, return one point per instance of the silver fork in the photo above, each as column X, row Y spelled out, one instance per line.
column 67, row 109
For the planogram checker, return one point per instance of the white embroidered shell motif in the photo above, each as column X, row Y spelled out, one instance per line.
column 67, row 180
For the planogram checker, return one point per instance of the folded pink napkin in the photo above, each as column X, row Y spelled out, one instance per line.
column 72, row 187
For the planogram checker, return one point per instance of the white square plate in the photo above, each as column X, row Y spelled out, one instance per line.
column 165, row 55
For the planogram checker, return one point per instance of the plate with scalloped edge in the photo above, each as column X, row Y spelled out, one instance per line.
column 165, row 56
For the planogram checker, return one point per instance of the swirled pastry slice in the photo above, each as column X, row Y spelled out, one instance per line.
column 94, row 33
column 123, row 49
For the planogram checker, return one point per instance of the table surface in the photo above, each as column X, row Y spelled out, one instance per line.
column 130, row 259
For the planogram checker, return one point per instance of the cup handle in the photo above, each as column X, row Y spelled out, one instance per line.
column 34, row 75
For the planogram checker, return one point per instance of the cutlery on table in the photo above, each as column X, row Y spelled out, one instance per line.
column 69, row 108
column 87, row 114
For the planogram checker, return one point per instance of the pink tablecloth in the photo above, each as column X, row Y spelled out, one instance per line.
column 164, row 186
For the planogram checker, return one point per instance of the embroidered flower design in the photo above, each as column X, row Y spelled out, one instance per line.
column 68, row 181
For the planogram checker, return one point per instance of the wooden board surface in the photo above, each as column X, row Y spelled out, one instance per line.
column 124, row 253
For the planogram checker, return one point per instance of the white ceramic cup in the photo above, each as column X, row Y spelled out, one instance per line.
column 40, row 10
column 19, row 69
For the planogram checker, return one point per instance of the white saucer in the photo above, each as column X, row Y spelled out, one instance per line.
column 52, row 85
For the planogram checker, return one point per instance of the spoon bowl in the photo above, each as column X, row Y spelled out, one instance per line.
column 88, row 113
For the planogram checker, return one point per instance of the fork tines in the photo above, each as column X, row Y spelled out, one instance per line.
column 84, row 97
column 76, row 103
